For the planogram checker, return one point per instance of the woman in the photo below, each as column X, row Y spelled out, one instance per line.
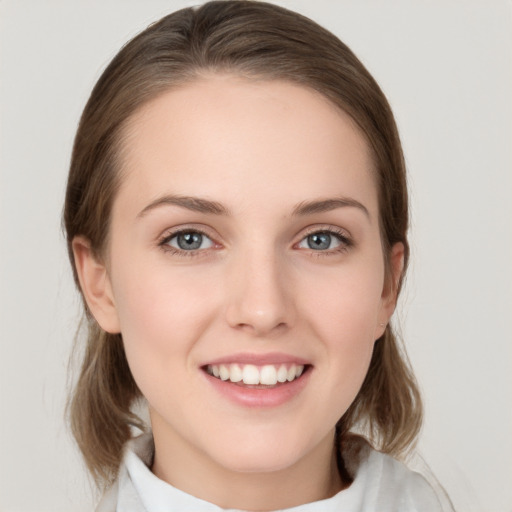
column 236, row 216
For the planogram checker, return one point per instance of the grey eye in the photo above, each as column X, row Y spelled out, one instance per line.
column 190, row 241
column 320, row 241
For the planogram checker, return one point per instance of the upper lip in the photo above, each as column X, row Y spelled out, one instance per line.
column 258, row 359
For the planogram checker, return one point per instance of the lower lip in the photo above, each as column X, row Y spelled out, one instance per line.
column 257, row 397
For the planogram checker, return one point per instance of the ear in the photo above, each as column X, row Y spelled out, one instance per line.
column 390, row 289
column 95, row 285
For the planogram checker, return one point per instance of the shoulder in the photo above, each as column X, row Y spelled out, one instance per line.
column 386, row 484
column 123, row 494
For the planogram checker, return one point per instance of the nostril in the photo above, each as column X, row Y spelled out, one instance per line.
column 260, row 328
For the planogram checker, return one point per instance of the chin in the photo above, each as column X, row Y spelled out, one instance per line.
column 258, row 463
column 260, row 453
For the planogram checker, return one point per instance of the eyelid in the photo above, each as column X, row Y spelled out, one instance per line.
column 185, row 228
column 326, row 228
column 170, row 233
column 343, row 235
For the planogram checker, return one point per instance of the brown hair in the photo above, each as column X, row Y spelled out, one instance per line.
column 256, row 40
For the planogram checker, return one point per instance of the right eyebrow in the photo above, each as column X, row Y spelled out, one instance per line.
column 325, row 205
column 195, row 204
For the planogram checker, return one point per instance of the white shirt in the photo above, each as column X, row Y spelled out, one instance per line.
column 381, row 484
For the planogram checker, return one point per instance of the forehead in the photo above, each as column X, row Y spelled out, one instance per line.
column 253, row 139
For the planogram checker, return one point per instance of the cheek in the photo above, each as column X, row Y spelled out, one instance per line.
column 154, row 295
column 162, row 314
column 344, row 303
column 343, row 309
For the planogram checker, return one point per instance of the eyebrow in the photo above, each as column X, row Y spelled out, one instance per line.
column 195, row 204
column 325, row 205
column 200, row 205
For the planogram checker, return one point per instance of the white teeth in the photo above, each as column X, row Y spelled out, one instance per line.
column 292, row 372
column 235, row 373
column 267, row 375
column 282, row 373
column 250, row 374
column 224, row 372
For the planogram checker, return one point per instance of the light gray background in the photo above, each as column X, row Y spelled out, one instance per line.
column 446, row 67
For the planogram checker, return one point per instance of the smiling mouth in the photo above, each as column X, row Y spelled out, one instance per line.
column 250, row 375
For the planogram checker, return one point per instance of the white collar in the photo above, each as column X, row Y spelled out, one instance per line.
column 380, row 484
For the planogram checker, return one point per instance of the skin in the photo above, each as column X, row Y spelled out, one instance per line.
column 260, row 150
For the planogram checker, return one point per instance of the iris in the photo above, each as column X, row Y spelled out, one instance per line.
column 319, row 241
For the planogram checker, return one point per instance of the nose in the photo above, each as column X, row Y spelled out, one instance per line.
column 259, row 295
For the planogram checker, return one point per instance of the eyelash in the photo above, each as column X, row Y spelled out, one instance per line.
column 341, row 235
column 164, row 243
column 345, row 242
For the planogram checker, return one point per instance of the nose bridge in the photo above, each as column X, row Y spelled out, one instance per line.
column 257, row 294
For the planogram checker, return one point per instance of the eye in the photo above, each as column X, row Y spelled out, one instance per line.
column 324, row 241
column 189, row 241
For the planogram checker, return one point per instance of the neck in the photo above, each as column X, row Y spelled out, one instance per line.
column 312, row 478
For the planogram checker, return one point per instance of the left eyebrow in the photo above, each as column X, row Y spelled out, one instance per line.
column 195, row 204
column 326, row 205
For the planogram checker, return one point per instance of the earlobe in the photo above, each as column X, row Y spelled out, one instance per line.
column 95, row 285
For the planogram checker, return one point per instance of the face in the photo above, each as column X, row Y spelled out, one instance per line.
column 244, row 270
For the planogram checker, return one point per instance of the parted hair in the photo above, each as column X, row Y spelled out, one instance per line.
column 259, row 41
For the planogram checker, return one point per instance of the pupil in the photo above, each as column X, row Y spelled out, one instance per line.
column 190, row 241
column 319, row 241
